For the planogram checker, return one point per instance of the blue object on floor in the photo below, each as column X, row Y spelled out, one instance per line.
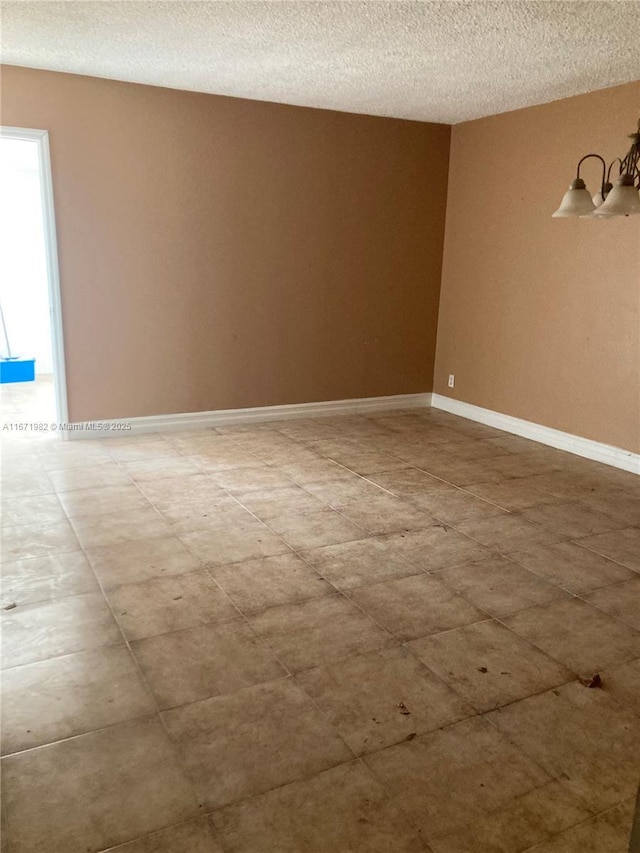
column 17, row 369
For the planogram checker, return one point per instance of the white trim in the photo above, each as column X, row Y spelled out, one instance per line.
column 41, row 138
column 261, row 414
column 605, row 453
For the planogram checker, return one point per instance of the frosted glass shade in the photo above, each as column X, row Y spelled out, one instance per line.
column 623, row 200
column 576, row 201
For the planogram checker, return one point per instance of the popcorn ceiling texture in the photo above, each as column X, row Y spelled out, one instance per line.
column 431, row 61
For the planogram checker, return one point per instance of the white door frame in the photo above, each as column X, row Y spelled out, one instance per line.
column 41, row 138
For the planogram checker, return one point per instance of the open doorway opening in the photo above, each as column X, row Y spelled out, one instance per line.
column 32, row 386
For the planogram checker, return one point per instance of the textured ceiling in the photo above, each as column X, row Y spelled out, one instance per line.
column 432, row 61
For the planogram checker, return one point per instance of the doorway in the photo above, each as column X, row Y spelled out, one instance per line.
column 33, row 387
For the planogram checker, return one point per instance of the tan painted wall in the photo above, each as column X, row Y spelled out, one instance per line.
column 220, row 253
column 540, row 317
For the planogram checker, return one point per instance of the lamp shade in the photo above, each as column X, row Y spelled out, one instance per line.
column 576, row 201
column 623, row 200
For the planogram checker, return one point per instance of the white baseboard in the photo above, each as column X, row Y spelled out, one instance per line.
column 596, row 450
column 228, row 417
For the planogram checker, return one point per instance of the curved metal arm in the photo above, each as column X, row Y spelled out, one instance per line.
column 604, row 168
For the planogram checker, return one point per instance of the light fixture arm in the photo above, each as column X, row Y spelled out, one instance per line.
column 604, row 169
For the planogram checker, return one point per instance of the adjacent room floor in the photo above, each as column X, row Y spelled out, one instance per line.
column 397, row 632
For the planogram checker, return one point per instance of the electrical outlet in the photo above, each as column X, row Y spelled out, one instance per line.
column 452, row 380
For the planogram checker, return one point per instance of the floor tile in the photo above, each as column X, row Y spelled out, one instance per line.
column 530, row 819
column 193, row 836
column 23, row 541
column 245, row 479
column 386, row 514
column 234, row 544
column 65, row 696
column 381, row 698
column 437, row 547
column 515, row 494
column 234, row 747
column 107, row 499
column 454, row 506
column 507, row 533
column 318, row 631
column 158, row 448
column 125, row 783
column 33, row 509
column 195, row 513
column 364, row 561
column 571, row 519
column 409, row 482
column 313, row 529
column 51, row 628
column 169, row 603
column 45, row 578
column 340, row 492
column 623, row 546
column 592, row 836
column 160, row 469
column 267, row 503
column 269, row 582
column 197, row 663
column 89, row 478
column 621, row 600
column 489, row 665
column 453, row 777
column 577, row 634
column 111, row 528
column 571, row 567
column 341, row 809
column 415, row 606
column 499, row 586
column 130, row 562
column 622, row 683
column 562, row 730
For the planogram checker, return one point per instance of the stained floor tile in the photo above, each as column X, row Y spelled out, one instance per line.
column 45, row 578
column 621, row 600
column 381, row 698
column 581, row 737
column 65, row 696
column 234, row 544
column 364, row 561
column 169, row 603
column 271, row 581
column 48, row 629
column 415, row 606
column 312, row 529
column 341, row 809
column 571, row 567
column 577, row 634
column 499, row 586
column 196, row 663
column 437, row 547
column 193, row 836
column 234, row 747
column 318, row 631
column 489, row 665
column 130, row 562
column 623, row 546
column 93, row 805
column 455, row 776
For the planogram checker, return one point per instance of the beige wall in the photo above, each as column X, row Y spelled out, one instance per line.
column 219, row 253
column 540, row 317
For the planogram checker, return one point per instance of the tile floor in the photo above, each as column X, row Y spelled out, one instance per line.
column 341, row 634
